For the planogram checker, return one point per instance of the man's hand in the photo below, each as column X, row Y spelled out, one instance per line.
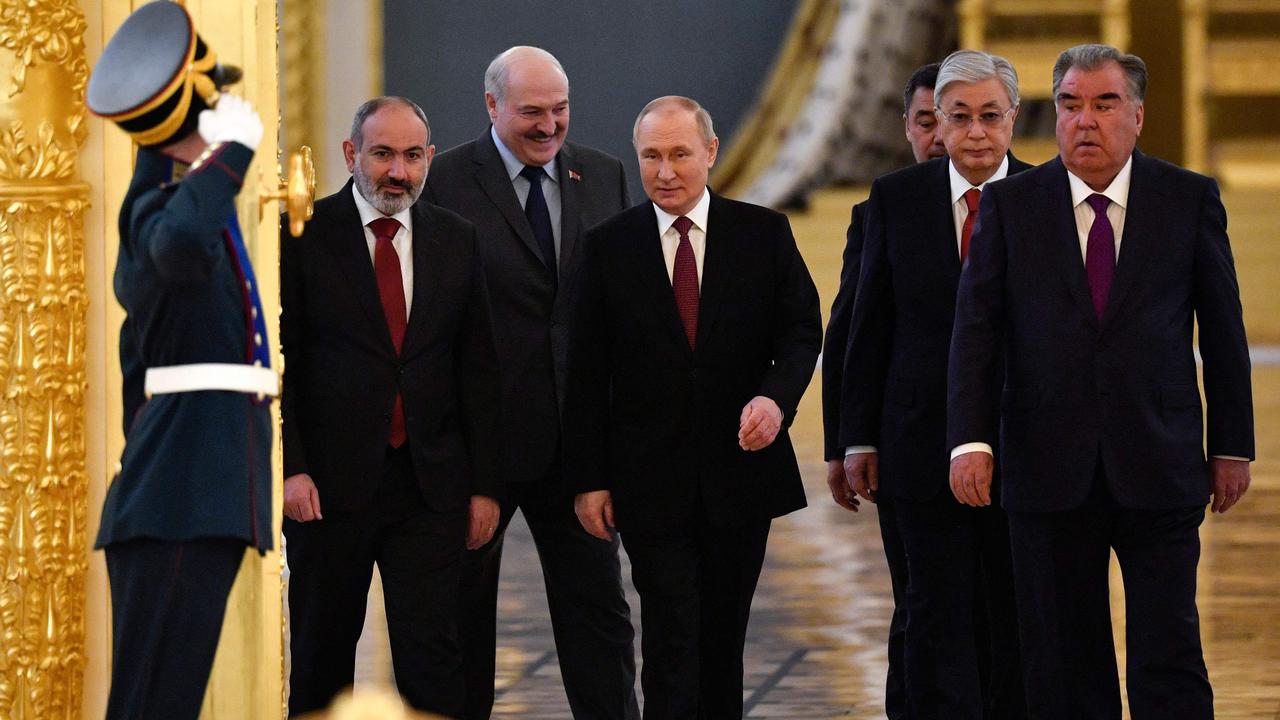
column 233, row 119
column 760, row 422
column 595, row 512
column 862, row 472
column 1230, row 481
column 840, row 490
column 483, row 522
column 971, row 478
column 301, row 499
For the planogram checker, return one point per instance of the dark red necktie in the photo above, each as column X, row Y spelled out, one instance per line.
column 971, row 198
column 386, row 268
column 1100, row 253
column 684, row 280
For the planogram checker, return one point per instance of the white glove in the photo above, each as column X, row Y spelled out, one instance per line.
column 232, row 120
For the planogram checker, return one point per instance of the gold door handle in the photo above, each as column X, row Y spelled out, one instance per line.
column 297, row 190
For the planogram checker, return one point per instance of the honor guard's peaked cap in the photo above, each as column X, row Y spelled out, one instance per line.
column 156, row 75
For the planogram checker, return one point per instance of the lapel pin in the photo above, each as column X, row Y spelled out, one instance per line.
column 574, row 176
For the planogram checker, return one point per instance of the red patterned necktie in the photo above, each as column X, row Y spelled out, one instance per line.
column 1100, row 253
column 684, row 280
column 971, row 198
column 386, row 268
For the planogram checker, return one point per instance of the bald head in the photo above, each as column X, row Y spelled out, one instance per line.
column 527, row 94
column 521, row 57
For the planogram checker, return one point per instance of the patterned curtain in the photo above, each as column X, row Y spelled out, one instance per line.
column 831, row 111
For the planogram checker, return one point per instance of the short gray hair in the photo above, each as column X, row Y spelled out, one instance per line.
column 495, row 77
column 369, row 107
column 1093, row 56
column 700, row 114
column 970, row 66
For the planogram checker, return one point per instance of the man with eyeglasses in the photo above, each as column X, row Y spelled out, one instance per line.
column 893, row 420
column 924, row 135
column 1089, row 277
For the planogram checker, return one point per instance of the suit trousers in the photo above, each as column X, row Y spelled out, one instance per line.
column 962, row 657
column 895, row 691
column 695, row 592
column 590, row 619
column 1061, row 567
column 418, row 552
column 168, row 600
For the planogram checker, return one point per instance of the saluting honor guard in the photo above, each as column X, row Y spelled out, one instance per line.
column 194, row 486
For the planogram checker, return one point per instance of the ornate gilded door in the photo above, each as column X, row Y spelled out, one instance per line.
column 62, row 177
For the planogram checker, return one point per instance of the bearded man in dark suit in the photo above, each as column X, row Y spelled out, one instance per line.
column 390, row 414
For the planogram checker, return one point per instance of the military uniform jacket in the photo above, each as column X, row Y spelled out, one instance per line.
column 195, row 464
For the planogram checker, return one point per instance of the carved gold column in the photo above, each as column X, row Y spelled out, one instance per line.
column 43, row 484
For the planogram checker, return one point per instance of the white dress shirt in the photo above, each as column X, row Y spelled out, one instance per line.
column 402, row 242
column 959, row 213
column 697, row 235
column 1118, row 193
column 960, row 186
column 519, row 183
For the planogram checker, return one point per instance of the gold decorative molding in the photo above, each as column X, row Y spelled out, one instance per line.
column 43, row 484
column 302, row 30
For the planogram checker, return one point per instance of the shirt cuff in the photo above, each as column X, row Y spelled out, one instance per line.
column 971, row 447
column 1231, row 457
column 859, row 450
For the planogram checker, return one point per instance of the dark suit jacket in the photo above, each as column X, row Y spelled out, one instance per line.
column 901, row 329
column 657, row 423
column 342, row 372
column 531, row 319
column 1121, row 391
column 195, row 464
column 837, row 337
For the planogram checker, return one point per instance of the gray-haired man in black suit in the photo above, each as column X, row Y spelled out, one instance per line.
column 531, row 195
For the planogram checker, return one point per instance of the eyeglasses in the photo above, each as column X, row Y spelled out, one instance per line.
column 989, row 119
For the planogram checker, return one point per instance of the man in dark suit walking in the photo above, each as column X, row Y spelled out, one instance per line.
column 893, row 419
column 390, row 412
column 695, row 333
column 922, row 131
column 1088, row 276
column 531, row 195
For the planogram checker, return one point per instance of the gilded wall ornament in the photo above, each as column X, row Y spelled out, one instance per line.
column 43, row 485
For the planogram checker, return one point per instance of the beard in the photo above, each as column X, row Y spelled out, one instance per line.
column 385, row 202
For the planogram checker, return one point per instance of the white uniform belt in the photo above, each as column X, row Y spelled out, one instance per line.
column 233, row 377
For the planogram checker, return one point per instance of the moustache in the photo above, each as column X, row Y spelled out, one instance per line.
column 402, row 184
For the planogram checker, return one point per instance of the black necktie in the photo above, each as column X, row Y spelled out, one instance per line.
column 535, row 209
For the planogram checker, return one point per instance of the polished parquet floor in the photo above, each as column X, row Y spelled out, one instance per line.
column 816, row 643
